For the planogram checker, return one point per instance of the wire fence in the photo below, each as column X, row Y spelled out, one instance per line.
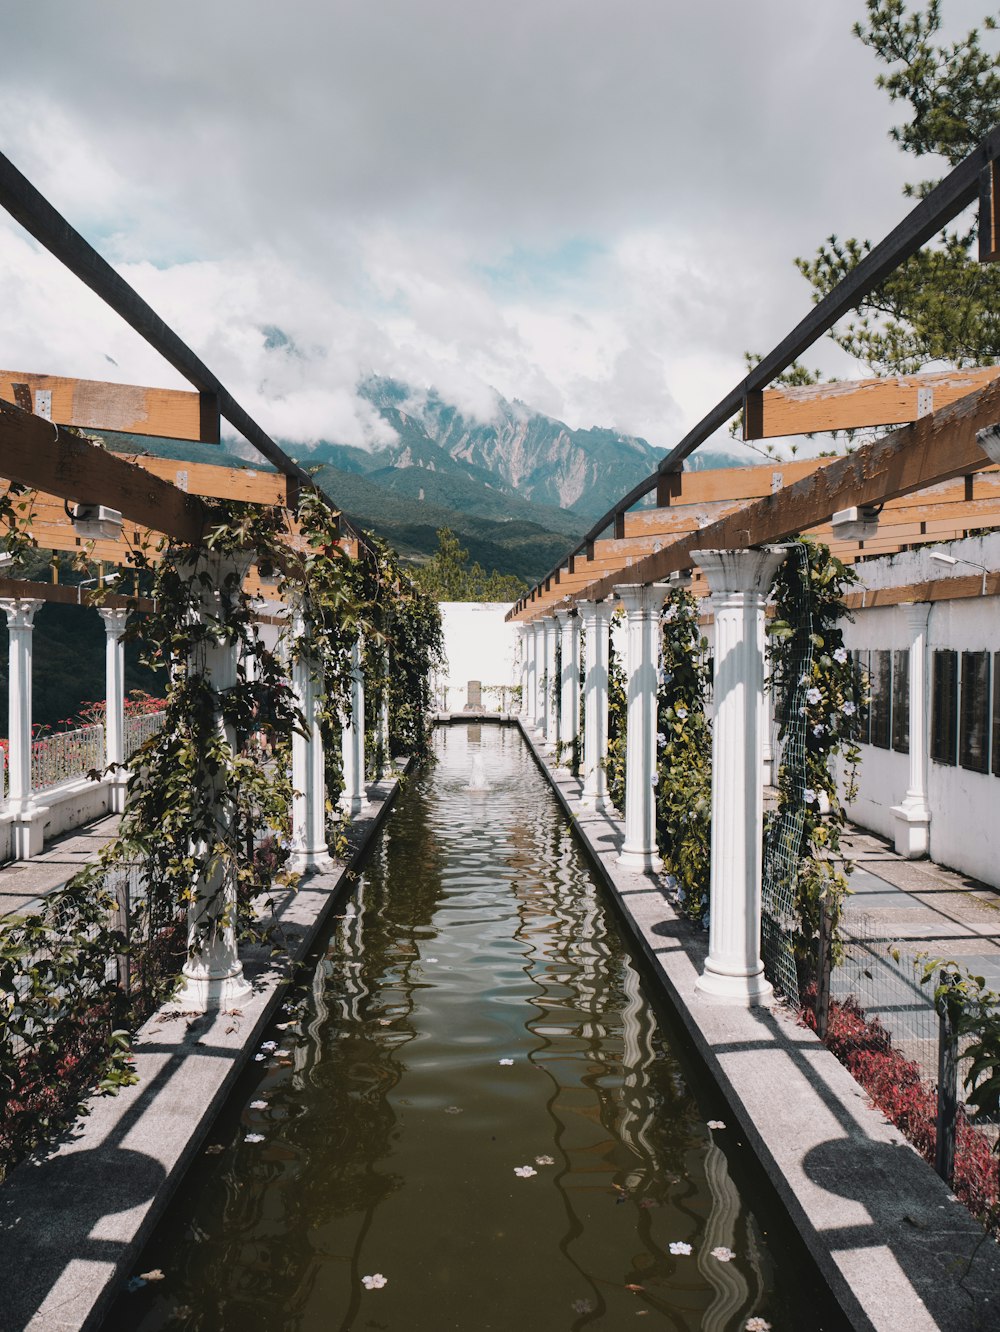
column 884, row 978
column 139, row 728
column 66, row 755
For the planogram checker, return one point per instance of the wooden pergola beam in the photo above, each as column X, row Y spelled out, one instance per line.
column 94, row 405
column 936, row 448
column 855, row 404
column 38, row 454
column 67, row 595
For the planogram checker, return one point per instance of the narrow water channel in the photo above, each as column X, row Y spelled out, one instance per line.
column 471, row 1116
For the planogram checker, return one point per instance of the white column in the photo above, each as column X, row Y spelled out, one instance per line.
column 524, row 638
column 529, row 699
column 550, row 730
column 383, row 730
column 353, row 795
column 309, row 847
column 569, row 684
column 642, row 617
column 595, row 616
column 20, row 623
column 914, row 814
column 212, row 976
column 541, row 693
column 739, row 581
column 115, row 620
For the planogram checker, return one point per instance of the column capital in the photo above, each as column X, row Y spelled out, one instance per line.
column 595, row 612
column 641, row 599
column 564, row 614
column 20, row 611
column 115, row 619
column 916, row 614
column 738, row 572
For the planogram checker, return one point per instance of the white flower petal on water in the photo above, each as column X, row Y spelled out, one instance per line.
column 680, row 1249
column 723, row 1254
column 525, row 1172
column 716, row 1124
column 374, row 1282
column 282, row 1054
column 544, row 1160
column 258, row 1105
column 253, row 1137
column 758, row 1324
column 260, row 1058
column 506, row 1062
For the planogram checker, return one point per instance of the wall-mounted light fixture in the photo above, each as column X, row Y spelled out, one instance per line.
column 857, row 524
column 943, row 558
column 95, row 522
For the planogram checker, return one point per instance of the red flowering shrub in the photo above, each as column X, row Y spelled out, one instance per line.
column 895, row 1086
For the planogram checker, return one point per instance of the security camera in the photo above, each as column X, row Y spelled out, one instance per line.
column 95, row 522
column 857, row 524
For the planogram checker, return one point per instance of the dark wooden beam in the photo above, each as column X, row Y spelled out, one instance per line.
column 40, row 455
column 65, row 594
column 933, row 449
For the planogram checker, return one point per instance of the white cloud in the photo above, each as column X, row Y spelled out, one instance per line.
column 590, row 207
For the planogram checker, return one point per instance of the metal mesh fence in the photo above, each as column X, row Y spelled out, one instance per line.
column 783, row 835
column 883, row 978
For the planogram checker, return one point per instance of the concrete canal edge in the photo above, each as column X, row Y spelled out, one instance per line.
column 896, row 1248
column 74, row 1222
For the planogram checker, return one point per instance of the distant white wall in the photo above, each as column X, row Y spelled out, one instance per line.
column 479, row 645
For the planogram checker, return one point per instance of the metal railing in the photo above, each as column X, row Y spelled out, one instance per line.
column 139, row 728
column 65, row 755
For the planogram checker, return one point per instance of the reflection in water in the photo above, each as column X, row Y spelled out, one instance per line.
column 473, row 1011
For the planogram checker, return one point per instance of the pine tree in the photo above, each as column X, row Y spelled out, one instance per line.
column 942, row 304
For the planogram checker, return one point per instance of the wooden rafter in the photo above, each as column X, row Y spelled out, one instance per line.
column 854, row 404
column 95, row 405
column 929, row 452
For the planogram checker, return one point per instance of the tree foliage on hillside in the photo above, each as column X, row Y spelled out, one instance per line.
column 448, row 576
column 942, row 304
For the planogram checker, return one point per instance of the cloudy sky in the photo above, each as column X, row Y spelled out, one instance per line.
column 590, row 205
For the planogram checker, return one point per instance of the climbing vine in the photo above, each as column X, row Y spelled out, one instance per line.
column 207, row 815
column 684, row 762
column 617, row 721
column 817, row 699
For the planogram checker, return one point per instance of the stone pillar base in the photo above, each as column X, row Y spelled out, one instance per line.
column 304, row 862
column 593, row 804
column 200, row 993
column 721, row 988
column 913, row 830
column 640, row 862
column 350, row 805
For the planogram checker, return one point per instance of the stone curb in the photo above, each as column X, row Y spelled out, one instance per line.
column 895, row 1247
column 74, row 1221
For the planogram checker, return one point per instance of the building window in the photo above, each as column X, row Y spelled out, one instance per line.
column 944, row 707
column 974, row 732
column 881, row 692
column 996, row 714
column 901, row 701
column 862, row 693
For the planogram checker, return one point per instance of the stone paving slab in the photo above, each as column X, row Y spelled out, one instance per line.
column 74, row 1221
column 896, row 1248
column 24, row 882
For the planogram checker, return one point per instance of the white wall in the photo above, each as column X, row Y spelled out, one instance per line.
column 479, row 645
column 964, row 827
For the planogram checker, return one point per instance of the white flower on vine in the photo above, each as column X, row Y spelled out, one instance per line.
column 804, row 679
column 809, row 796
column 813, row 695
column 848, row 709
column 680, row 713
column 818, row 729
column 661, row 740
column 840, row 655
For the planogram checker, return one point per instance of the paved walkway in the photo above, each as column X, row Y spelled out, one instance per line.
column 900, row 909
column 24, row 882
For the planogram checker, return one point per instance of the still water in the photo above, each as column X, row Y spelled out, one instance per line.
column 472, row 1116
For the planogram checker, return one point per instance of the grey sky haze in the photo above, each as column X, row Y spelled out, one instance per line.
column 592, row 206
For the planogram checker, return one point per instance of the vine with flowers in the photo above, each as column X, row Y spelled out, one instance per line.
column 614, row 764
column 684, row 761
column 207, row 816
column 817, row 699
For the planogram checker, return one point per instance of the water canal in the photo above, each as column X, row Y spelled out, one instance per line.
column 473, row 1115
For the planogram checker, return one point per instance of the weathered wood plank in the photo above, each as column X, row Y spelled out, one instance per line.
column 94, row 405
column 936, row 448
column 855, row 404
column 39, row 454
